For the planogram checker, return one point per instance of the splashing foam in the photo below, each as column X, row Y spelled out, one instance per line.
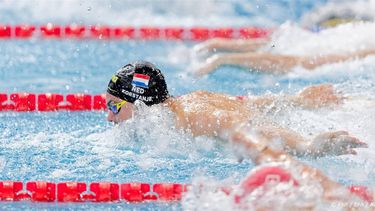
column 210, row 194
column 150, row 137
column 292, row 40
column 356, row 116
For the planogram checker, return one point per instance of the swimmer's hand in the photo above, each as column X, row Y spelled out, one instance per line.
column 210, row 65
column 335, row 143
column 319, row 96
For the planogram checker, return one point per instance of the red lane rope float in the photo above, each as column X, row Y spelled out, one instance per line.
column 41, row 191
column 50, row 30
column 24, row 102
column 135, row 192
column 51, row 102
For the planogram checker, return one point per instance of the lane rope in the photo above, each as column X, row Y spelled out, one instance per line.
column 21, row 102
column 102, row 32
column 42, row 191
column 25, row 102
column 134, row 192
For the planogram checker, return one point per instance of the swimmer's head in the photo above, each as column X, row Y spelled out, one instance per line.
column 261, row 177
column 140, row 81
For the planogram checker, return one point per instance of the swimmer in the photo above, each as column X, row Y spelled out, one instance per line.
column 334, row 13
column 276, row 167
column 243, row 53
column 218, row 115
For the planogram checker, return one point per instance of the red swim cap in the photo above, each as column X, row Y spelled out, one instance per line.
column 264, row 176
column 363, row 192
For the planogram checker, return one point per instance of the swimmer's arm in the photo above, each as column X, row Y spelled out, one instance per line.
column 239, row 45
column 261, row 62
column 260, row 154
column 313, row 62
column 273, row 63
column 311, row 97
column 281, row 138
column 317, row 96
column 327, row 143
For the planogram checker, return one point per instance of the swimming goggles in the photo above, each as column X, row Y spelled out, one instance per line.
column 115, row 107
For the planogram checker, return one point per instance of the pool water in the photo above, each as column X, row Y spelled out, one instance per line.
column 82, row 146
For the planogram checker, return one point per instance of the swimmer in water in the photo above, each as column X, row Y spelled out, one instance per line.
column 243, row 53
column 276, row 167
column 219, row 115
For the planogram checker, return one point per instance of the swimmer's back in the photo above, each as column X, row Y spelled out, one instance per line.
column 207, row 113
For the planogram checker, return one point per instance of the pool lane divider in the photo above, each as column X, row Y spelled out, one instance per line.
column 27, row 102
column 134, row 192
column 22, row 102
column 41, row 191
column 102, row 32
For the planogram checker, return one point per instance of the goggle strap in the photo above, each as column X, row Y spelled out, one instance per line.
column 120, row 104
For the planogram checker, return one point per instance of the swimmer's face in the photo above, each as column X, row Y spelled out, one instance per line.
column 125, row 113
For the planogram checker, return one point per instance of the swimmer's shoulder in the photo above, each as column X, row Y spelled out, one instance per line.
column 201, row 96
column 198, row 94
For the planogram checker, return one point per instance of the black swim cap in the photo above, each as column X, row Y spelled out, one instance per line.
column 139, row 81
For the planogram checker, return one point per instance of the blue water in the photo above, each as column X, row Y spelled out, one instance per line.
column 82, row 146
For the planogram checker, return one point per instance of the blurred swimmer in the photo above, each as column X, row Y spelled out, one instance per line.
column 276, row 167
column 243, row 53
column 334, row 13
column 219, row 115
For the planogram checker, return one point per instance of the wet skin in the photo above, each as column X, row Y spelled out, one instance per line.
column 219, row 115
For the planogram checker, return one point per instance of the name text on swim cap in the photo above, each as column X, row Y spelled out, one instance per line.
column 138, row 90
column 137, row 96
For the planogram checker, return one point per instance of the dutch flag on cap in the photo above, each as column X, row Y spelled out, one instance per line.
column 140, row 80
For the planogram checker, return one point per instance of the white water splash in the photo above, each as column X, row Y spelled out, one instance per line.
column 290, row 39
column 210, row 194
